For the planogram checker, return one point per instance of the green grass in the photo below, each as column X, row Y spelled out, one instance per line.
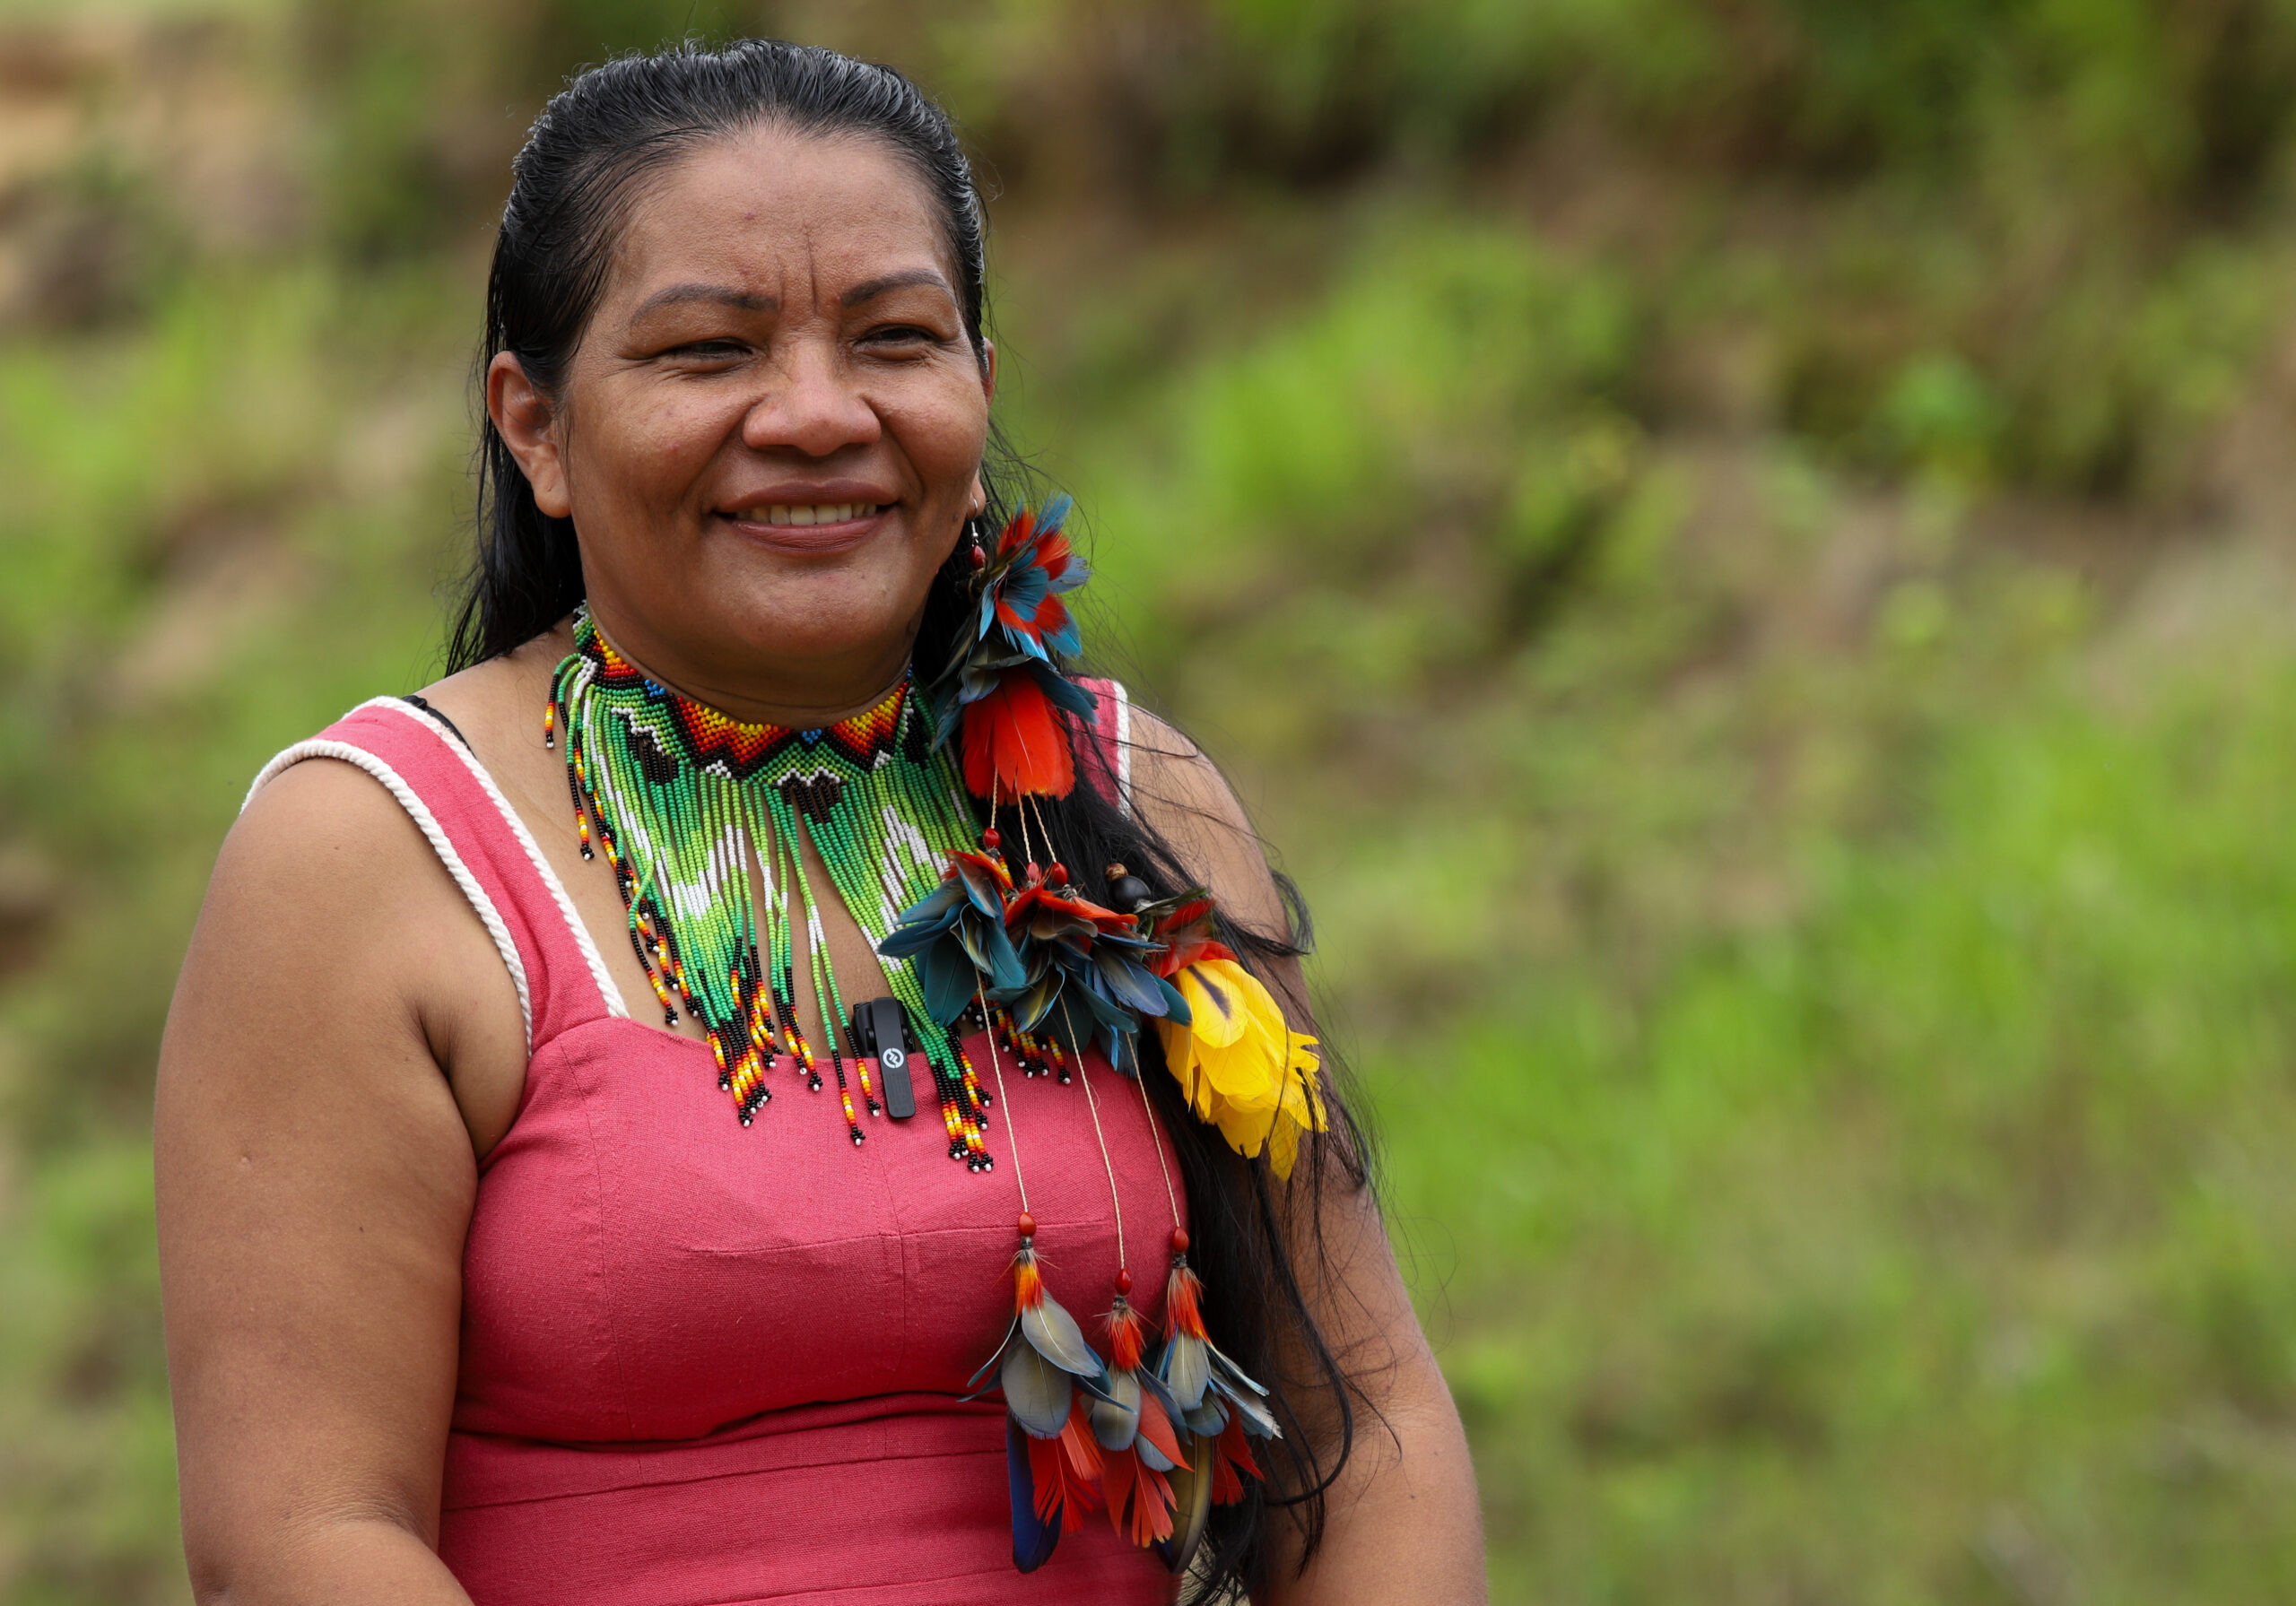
column 1927, row 1243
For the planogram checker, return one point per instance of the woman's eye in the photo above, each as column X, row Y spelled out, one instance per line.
column 706, row 349
column 900, row 334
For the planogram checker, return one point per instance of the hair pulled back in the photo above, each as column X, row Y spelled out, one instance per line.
column 585, row 161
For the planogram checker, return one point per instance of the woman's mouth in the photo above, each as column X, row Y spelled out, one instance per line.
column 786, row 514
column 809, row 526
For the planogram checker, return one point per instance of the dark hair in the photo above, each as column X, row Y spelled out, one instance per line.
column 571, row 186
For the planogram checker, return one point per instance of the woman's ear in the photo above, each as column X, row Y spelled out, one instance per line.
column 528, row 422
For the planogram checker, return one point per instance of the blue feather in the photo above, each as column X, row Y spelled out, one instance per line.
column 1066, row 692
column 1032, row 1537
column 1176, row 1010
column 948, row 980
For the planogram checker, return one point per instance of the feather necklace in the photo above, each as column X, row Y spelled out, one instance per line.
column 1156, row 1442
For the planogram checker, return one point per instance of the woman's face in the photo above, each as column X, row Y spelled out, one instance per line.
column 771, row 432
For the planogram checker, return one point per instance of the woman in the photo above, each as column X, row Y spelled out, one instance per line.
column 495, row 1271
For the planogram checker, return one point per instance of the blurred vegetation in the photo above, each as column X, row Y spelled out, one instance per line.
column 1742, row 551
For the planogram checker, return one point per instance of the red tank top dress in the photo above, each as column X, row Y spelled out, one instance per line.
column 701, row 1363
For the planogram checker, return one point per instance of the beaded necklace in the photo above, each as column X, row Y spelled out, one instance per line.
column 700, row 814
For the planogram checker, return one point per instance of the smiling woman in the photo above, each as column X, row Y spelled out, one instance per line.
column 766, row 716
column 743, row 381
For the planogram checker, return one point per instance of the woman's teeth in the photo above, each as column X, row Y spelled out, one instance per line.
column 826, row 513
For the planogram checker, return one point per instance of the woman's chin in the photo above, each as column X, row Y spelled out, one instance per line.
column 821, row 613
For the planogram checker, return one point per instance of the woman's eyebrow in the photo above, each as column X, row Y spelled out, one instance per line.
column 877, row 287
column 722, row 295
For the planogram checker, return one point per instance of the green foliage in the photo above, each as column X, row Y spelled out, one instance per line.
column 1921, row 1244
column 1406, row 430
column 1640, row 495
column 90, row 1472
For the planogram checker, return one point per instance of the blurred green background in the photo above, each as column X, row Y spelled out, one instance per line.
column 1740, row 549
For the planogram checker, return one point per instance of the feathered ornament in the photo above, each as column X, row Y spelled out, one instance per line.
column 1137, row 1427
column 1241, row 1066
column 1157, row 1443
column 957, row 934
column 1086, row 970
column 1032, row 566
column 1221, row 1410
column 1002, row 685
column 1051, row 1380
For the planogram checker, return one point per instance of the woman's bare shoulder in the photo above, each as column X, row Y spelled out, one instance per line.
column 325, row 886
column 327, row 904
column 1181, row 792
column 320, row 826
column 321, row 834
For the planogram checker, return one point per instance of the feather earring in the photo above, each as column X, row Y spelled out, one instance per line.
column 1001, row 685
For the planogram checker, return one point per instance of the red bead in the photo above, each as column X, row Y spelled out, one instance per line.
column 1123, row 1280
column 1033, row 873
column 990, row 840
column 976, row 556
column 1179, row 1240
column 1027, row 1225
column 1058, row 876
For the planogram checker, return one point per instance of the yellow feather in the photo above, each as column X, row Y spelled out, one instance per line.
column 1240, row 1066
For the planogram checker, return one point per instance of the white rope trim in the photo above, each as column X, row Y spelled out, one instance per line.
column 423, row 818
column 1123, row 749
column 609, row 992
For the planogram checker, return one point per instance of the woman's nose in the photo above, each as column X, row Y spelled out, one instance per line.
column 812, row 405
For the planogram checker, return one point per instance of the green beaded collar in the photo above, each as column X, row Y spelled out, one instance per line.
column 699, row 816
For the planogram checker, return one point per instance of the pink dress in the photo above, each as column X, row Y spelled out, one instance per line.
column 702, row 1363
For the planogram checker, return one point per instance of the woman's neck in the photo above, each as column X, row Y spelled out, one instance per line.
column 803, row 695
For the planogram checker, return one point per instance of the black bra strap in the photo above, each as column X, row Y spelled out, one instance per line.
column 441, row 718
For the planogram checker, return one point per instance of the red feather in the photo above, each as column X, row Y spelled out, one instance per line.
column 1051, row 616
column 1231, row 1453
column 1186, row 933
column 1019, row 530
column 1116, row 1483
column 1076, row 1438
column 1016, row 743
column 1060, row 1494
column 1182, row 1295
column 1126, row 1335
column 1139, row 1497
column 1156, row 1427
column 1028, row 1281
column 1053, row 553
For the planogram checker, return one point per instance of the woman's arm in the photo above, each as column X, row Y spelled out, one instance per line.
column 316, row 1182
column 1401, row 1522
